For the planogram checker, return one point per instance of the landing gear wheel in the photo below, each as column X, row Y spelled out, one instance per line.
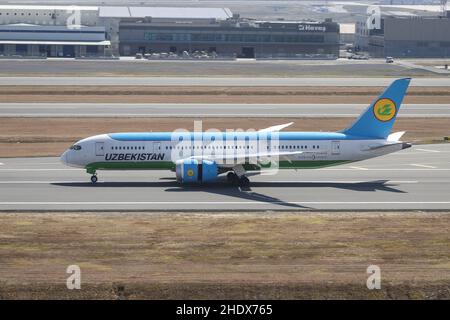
column 94, row 179
column 244, row 182
column 232, row 177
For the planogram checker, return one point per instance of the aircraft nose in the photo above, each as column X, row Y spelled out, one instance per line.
column 64, row 158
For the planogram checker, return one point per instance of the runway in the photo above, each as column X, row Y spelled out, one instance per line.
column 214, row 81
column 207, row 110
column 416, row 178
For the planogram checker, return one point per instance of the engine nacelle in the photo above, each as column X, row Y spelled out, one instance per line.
column 194, row 171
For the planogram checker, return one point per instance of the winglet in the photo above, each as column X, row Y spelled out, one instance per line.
column 276, row 128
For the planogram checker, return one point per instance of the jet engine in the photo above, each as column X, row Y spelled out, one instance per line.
column 195, row 171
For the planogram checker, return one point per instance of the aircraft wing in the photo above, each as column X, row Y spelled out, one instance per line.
column 243, row 156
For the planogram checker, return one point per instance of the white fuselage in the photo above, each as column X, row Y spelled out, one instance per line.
column 104, row 152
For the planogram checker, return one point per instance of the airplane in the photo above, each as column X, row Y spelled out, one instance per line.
column 201, row 157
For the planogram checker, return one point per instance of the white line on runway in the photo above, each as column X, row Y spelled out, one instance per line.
column 1, row 164
column 323, row 169
column 278, row 181
column 49, row 169
column 427, row 150
column 212, row 202
column 358, row 168
column 385, row 169
column 422, row 165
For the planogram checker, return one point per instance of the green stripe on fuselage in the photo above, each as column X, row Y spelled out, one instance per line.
column 168, row 165
column 311, row 164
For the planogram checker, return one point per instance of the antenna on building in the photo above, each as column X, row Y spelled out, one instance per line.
column 443, row 8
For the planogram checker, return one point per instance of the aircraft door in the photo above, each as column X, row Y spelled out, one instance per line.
column 99, row 148
column 335, row 147
column 156, row 147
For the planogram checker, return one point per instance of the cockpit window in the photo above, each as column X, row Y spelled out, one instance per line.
column 75, row 147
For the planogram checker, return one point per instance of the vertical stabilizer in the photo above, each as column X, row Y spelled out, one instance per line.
column 377, row 120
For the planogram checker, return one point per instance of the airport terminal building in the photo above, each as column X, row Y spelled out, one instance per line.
column 406, row 37
column 51, row 31
column 88, row 31
column 218, row 30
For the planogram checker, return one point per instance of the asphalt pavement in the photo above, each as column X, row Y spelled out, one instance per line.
column 177, row 110
column 417, row 178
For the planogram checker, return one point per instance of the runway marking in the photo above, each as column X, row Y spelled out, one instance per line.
column 335, row 181
column 359, row 168
column 422, row 165
column 386, row 169
column 42, row 182
column 323, row 169
column 212, row 202
column 1, row 164
column 49, row 169
column 277, row 181
column 427, row 150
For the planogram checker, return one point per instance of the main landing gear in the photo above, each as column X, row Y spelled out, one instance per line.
column 242, row 181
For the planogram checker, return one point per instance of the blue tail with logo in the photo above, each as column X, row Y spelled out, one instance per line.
column 377, row 120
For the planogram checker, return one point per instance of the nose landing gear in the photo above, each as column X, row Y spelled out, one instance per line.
column 92, row 171
column 94, row 178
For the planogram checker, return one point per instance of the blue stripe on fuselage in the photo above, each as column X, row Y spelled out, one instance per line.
column 169, row 136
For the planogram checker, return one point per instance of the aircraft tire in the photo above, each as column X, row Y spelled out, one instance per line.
column 232, row 177
column 94, row 179
column 244, row 182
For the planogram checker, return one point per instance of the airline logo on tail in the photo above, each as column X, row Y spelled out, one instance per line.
column 384, row 109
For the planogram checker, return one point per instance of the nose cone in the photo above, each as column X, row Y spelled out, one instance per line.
column 64, row 158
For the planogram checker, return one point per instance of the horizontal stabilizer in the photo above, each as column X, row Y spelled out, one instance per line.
column 276, row 128
column 394, row 137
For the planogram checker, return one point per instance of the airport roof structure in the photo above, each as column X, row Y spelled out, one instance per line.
column 165, row 12
column 74, row 43
column 46, row 7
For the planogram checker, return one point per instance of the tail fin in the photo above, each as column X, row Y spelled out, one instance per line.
column 377, row 120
